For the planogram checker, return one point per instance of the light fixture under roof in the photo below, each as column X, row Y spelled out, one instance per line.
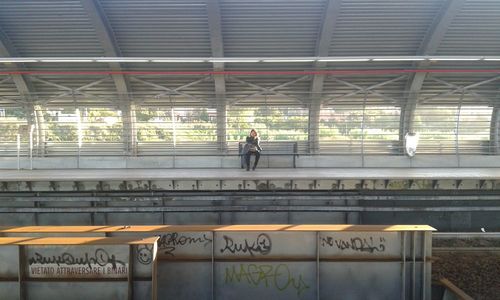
column 288, row 59
column 177, row 60
column 342, row 59
column 284, row 59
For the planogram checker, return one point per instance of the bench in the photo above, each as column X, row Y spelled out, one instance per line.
column 273, row 149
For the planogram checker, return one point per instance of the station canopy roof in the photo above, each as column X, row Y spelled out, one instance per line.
column 193, row 52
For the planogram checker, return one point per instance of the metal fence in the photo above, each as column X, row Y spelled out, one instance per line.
column 343, row 129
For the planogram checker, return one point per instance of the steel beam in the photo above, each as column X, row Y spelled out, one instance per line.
column 495, row 131
column 264, row 90
column 107, row 39
column 462, row 89
column 248, row 208
column 429, row 46
column 26, row 90
column 330, row 16
column 369, row 90
column 170, row 91
column 217, row 46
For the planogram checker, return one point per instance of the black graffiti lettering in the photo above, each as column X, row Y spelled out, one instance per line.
column 261, row 245
column 169, row 242
column 100, row 257
column 145, row 254
column 279, row 277
column 327, row 241
column 356, row 244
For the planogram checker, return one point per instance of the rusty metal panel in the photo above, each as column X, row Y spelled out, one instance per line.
column 186, row 280
column 86, row 261
column 269, row 244
column 78, row 290
column 9, row 262
column 265, row 280
column 360, row 280
column 359, row 244
column 9, row 290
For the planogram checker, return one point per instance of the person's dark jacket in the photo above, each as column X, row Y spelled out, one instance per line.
column 252, row 142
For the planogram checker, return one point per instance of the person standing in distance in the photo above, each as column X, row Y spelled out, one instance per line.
column 252, row 146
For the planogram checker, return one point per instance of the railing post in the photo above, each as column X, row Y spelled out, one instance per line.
column 31, row 146
column 295, row 151
column 18, row 151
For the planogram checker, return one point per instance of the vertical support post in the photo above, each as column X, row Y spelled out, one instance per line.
column 317, row 266
column 129, row 127
column 403, row 271
column 457, row 130
column 313, row 125
column 413, row 276
column 495, row 131
column 221, row 104
column 407, row 115
column 20, row 273
column 130, row 274
column 424, row 245
column 32, row 128
column 174, row 134
column 217, row 47
column 79, row 135
column 40, row 131
column 18, row 151
column 363, row 133
column 213, row 265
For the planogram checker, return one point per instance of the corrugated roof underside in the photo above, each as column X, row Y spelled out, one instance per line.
column 373, row 27
column 270, row 28
column 159, row 28
column 474, row 31
column 49, row 28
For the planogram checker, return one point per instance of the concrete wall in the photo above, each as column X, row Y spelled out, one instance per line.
column 303, row 161
column 443, row 221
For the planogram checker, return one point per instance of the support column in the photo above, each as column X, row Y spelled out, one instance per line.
column 313, row 125
column 41, row 131
column 495, row 131
column 34, row 117
column 221, row 122
column 129, row 128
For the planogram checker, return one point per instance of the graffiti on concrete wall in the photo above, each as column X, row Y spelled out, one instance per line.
column 278, row 277
column 362, row 244
column 145, row 254
column 261, row 245
column 98, row 263
column 170, row 242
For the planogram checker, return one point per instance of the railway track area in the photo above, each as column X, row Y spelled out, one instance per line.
column 471, row 261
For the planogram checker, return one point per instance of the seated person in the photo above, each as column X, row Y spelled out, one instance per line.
column 252, row 146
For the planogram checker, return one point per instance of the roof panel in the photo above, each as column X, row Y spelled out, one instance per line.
column 474, row 31
column 388, row 27
column 159, row 28
column 270, row 28
column 49, row 28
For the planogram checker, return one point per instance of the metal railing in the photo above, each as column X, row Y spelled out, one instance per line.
column 169, row 131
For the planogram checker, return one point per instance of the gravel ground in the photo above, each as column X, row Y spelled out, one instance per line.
column 479, row 242
column 477, row 274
